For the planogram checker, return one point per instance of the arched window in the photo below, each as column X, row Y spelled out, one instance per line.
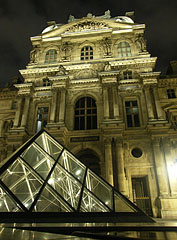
column 87, row 53
column 90, row 159
column 51, row 56
column 124, row 49
column 85, row 114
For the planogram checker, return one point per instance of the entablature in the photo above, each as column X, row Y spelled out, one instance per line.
column 24, row 88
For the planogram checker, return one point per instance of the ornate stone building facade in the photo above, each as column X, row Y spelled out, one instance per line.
column 90, row 83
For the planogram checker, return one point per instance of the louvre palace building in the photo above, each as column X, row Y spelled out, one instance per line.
column 91, row 84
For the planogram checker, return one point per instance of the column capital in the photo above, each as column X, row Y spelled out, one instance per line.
column 107, row 141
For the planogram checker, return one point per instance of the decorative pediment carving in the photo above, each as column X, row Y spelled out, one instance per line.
column 85, row 73
column 87, row 25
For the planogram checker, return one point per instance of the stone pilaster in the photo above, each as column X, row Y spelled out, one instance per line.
column 108, row 160
column 149, row 104
column 115, row 102
column 53, row 107
column 170, row 161
column 25, row 111
column 62, row 106
column 18, row 113
column 160, row 169
column 120, row 167
column 106, row 103
column 159, row 110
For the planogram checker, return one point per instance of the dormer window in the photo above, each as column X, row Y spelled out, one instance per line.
column 51, row 56
column 46, row 82
column 127, row 75
column 124, row 49
column 87, row 53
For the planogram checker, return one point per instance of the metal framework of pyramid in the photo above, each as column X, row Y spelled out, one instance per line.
column 43, row 176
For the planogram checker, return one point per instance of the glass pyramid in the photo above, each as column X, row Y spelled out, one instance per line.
column 43, row 176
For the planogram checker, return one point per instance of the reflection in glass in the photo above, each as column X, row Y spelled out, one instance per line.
column 121, row 205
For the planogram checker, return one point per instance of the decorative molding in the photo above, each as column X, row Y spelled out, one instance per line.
column 88, row 25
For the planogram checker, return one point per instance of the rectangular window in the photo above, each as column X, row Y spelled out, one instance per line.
column 42, row 118
column 171, row 93
column 132, row 113
column 127, row 75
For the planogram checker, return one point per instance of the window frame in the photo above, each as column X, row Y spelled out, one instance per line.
column 83, row 112
column 132, row 114
column 52, row 58
column 36, row 116
column 124, row 51
column 171, row 93
column 86, row 54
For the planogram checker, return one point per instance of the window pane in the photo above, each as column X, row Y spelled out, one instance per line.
column 129, row 121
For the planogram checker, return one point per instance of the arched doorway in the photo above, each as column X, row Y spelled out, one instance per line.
column 90, row 159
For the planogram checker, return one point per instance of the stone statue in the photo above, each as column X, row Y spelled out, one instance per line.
column 106, row 44
column 66, row 51
column 61, row 70
column 34, row 54
column 140, row 43
column 71, row 18
column 107, row 14
column 107, row 67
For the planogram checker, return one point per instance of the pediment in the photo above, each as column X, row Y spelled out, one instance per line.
column 84, row 25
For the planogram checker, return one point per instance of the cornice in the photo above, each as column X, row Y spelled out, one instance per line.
column 144, row 62
column 84, row 81
column 128, row 81
column 24, row 88
column 34, row 71
column 167, row 81
column 108, row 74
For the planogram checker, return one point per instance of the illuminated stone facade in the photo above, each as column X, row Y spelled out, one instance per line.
column 91, row 84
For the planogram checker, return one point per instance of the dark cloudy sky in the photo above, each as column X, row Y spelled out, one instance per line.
column 21, row 19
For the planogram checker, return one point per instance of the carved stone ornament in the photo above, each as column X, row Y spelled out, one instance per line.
column 85, row 73
column 34, row 54
column 140, row 42
column 106, row 45
column 107, row 67
column 87, row 25
column 66, row 51
column 61, row 70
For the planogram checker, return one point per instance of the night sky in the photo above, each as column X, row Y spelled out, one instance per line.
column 22, row 19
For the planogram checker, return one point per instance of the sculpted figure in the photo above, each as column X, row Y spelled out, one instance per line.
column 140, row 42
column 107, row 67
column 71, row 18
column 66, row 51
column 61, row 70
column 107, row 46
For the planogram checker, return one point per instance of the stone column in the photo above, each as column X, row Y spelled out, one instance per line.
column 53, row 107
column 160, row 113
column 25, row 111
column 18, row 113
column 108, row 161
column 160, row 168
column 106, row 103
column 120, row 167
column 115, row 102
column 1, row 127
column 149, row 103
column 170, row 160
column 62, row 106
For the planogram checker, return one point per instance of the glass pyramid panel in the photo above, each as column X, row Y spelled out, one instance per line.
column 66, row 185
column 121, row 205
column 50, row 146
column 6, row 203
column 22, row 182
column 38, row 159
column 102, row 190
column 49, row 201
column 91, row 204
column 72, row 165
